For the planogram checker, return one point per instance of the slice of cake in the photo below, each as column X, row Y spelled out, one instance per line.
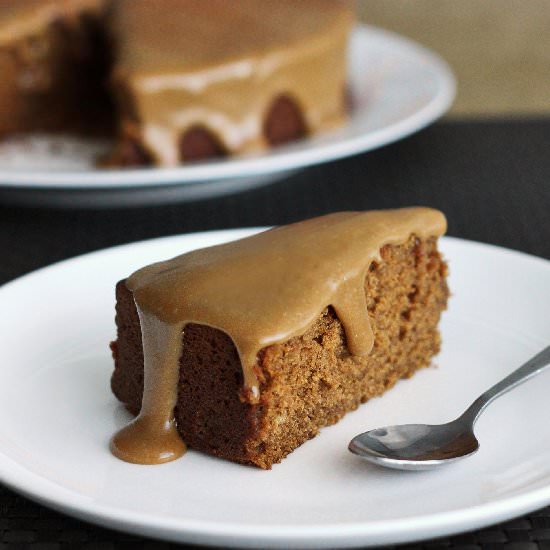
column 53, row 67
column 204, row 79
column 245, row 350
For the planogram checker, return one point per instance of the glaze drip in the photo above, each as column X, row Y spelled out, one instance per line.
column 261, row 291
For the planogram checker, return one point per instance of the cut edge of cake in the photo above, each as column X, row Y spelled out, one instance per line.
column 54, row 62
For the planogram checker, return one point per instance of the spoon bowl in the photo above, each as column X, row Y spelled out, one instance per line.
column 416, row 446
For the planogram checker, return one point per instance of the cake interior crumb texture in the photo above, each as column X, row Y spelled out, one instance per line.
column 54, row 64
column 306, row 383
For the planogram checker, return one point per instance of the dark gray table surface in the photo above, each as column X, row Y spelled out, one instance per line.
column 491, row 178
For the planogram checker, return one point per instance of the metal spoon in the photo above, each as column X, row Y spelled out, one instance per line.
column 424, row 446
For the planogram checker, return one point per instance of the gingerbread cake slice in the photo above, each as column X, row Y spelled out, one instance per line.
column 209, row 78
column 53, row 67
column 246, row 350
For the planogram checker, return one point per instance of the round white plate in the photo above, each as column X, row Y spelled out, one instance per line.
column 57, row 415
column 398, row 87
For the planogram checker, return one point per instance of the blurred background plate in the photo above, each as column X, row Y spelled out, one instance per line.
column 398, row 87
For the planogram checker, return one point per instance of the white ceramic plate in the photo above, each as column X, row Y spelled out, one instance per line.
column 398, row 88
column 57, row 415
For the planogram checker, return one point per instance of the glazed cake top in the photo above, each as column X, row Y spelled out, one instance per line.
column 190, row 35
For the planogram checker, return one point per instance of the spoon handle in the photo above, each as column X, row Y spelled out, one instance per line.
column 534, row 366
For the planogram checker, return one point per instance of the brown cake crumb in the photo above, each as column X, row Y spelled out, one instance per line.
column 54, row 74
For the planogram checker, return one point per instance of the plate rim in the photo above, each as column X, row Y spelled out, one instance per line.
column 283, row 160
column 37, row 488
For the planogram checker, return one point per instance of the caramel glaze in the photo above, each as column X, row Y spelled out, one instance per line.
column 220, row 65
column 261, row 290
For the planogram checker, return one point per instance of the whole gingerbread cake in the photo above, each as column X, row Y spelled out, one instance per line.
column 246, row 350
column 191, row 79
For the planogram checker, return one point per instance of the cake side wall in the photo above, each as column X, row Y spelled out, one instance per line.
column 127, row 378
column 53, row 79
column 209, row 414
